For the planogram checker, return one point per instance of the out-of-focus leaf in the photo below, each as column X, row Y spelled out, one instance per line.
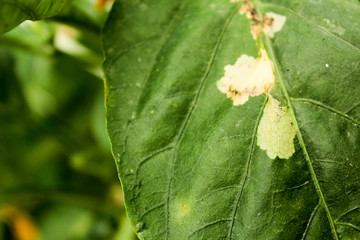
column 14, row 12
column 189, row 160
column 20, row 222
column 69, row 222
column 51, row 79
column 84, row 15
column 34, row 37
column 50, row 107
column 125, row 231
column 65, row 223
column 98, row 123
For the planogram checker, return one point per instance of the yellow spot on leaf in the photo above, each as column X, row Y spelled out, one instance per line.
column 181, row 210
column 186, row 208
column 276, row 131
column 247, row 77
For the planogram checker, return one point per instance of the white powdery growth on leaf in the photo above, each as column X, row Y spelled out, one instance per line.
column 276, row 131
column 247, row 77
column 269, row 23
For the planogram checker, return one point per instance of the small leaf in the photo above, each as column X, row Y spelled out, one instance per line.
column 14, row 12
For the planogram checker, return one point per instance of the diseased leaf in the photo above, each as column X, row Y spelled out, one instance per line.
column 14, row 12
column 190, row 161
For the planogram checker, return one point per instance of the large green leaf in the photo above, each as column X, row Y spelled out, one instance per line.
column 189, row 160
column 14, row 12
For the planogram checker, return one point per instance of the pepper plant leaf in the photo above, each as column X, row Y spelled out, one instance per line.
column 198, row 162
column 14, row 12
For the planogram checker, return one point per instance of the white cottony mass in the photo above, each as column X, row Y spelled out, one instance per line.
column 247, row 77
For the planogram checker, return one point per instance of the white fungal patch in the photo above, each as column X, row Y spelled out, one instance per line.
column 247, row 77
column 251, row 13
column 272, row 23
column 269, row 24
column 276, row 131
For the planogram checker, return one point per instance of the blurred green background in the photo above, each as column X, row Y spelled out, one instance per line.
column 58, row 179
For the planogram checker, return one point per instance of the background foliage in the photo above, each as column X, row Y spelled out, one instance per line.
column 57, row 177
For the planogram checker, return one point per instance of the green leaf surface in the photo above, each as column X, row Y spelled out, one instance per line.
column 189, row 160
column 14, row 12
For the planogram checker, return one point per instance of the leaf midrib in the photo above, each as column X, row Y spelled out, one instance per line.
column 280, row 79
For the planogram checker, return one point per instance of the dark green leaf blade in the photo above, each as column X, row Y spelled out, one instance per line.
column 188, row 159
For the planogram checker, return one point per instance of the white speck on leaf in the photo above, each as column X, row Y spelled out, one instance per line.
column 326, row 65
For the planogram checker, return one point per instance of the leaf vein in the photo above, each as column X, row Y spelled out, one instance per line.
column 310, row 220
column 347, row 212
column 349, row 225
column 192, row 107
column 322, row 29
column 330, row 109
column 145, row 159
column 210, row 224
column 280, row 78
column 152, row 209
column 242, row 187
